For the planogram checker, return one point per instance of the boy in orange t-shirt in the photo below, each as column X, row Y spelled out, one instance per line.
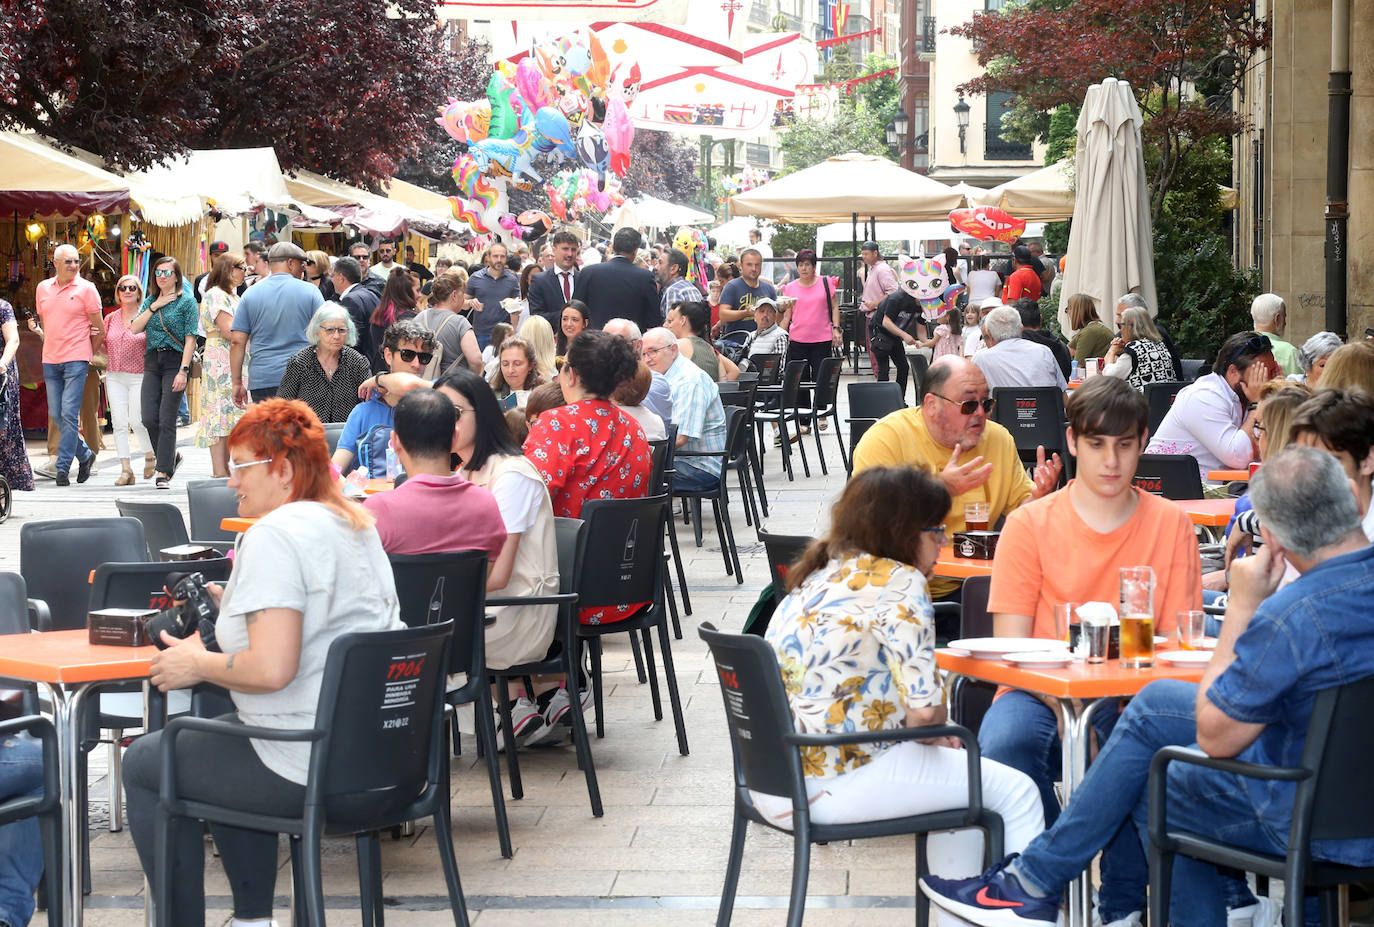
column 1067, row 547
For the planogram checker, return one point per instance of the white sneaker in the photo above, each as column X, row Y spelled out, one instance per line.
column 525, row 720
column 1265, row 912
column 1130, row 920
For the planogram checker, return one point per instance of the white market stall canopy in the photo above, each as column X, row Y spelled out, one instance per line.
column 843, row 185
column 362, row 210
column 735, row 233
column 654, row 213
column 38, row 179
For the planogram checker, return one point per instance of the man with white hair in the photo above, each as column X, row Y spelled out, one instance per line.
column 72, row 330
column 660, row 398
column 1271, row 316
column 1009, row 359
column 700, row 417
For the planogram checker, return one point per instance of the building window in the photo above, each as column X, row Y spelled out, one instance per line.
column 993, row 5
column 996, row 148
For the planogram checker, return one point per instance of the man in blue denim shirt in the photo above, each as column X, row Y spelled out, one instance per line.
column 1277, row 649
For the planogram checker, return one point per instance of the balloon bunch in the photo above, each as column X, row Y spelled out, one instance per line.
column 574, row 193
column 692, row 243
column 562, row 100
column 744, row 181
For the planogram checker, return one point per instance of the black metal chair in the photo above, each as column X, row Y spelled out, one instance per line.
column 1035, row 417
column 786, row 411
column 742, row 464
column 452, row 587
column 1160, row 397
column 970, row 699
column 210, row 502
column 47, row 808
column 565, row 658
column 719, row 494
column 332, row 431
column 377, row 761
column 825, row 404
column 1173, row 476
column 874, row 400
column 1332, row 801
column 626, row 570
column 766, row 757
column 1194, row 368
column 782, row 551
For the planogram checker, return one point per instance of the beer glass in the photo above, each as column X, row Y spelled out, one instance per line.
column 1137, row 613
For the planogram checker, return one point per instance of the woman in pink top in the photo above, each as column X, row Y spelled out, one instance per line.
column 124, row 375
column 813, row 319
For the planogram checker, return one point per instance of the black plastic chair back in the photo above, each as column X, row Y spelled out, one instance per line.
column 332, row 431
column 210, row 502
column 827, row 385
column 783, row 551
column 757, row 713
column 768, row 367
column 874, row 400
column 56, row 558
column 1173, row 476
column 1033, row 415
column 14, row 619
column 163, row 525
column 725, row 387
column 139, row 585
column 919, row 367
column 381, row 708
column 1340, row 744
column 659, row 456
column 791, row 383
column 1160, row 397
column 1193, row 368
column 447, row 587
column 627, row 536
column 736, row 397
column 970, row 699
column 974, row 618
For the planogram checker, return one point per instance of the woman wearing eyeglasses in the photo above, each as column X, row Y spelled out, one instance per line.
column 124, row 374
column 326, row 375
column 855, row 640
column 310, row 570
column 168, row 317
column 218, row 414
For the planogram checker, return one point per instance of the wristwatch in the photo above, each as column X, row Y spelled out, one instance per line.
column 185, row 368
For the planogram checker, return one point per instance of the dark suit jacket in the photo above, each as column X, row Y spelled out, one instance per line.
column 617, row 289
column 1059, row 349
column 546, row 296
column 360, row 301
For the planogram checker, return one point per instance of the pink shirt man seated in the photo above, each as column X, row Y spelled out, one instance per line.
column 433, row 511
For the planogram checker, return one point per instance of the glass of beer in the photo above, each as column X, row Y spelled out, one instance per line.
column 976, row 516
column 1137, row 616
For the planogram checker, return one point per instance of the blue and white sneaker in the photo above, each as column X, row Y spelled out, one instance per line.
column 992, row 899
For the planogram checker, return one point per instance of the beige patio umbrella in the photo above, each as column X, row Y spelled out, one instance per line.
column 1045, row 195
column 846, row 185
column 1111, row 250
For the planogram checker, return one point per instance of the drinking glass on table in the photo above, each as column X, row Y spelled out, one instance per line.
column 1137, row 616
column 1192, row 629
column 1066, row 625
column 976, row 516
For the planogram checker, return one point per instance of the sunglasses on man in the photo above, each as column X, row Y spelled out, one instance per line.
column 408, row 355
column 969, row 406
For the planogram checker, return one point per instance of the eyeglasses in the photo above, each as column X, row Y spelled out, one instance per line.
column 242, row 267
column 940, row 531
column 969, row 406
column 1258, row 344
column 334, row 329
column 650, row 352
column 408, row 355
column 70, row 261
column 164, row 273
column 458, row 412
column 310, row 262
column 1259, row 429
column 235, row 467
column 127, row 288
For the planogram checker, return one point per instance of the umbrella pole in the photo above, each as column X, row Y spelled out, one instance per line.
column 1337, row 167
column 853, row 273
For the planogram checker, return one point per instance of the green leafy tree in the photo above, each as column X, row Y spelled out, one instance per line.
column 1060, row 143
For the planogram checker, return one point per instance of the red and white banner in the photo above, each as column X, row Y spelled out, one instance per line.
column 669, row 12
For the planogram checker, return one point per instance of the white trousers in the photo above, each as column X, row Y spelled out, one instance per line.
column 124, row 391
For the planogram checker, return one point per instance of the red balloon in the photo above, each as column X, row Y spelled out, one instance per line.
column 988, row 223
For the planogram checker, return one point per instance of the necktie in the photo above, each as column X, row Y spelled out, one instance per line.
column 567, row 285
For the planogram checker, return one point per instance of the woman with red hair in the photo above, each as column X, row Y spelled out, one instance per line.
column 311, row 569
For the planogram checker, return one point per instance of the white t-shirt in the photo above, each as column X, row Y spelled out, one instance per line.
column 973, row 340
column 518, row 496
column 982, row 284
column 303, row 556
column 650, row 422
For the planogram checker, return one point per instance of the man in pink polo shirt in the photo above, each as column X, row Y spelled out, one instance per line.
column 72, row 330
column 434, row 511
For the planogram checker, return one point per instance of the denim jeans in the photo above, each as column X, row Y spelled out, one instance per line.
column 691, row 479
column 1020, row 731
column 21, row 848
column 1115, row 790
column 65, row 383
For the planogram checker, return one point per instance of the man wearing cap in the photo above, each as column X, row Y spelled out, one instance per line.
column 272, row 316
column 879, row 281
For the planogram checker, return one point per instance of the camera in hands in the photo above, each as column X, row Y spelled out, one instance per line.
column 197, row 612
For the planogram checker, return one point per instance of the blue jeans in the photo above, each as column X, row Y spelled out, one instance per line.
column 1114, row 791
column 21, row 847
column 690, row 479
column 65, row 383
column 1020, row 731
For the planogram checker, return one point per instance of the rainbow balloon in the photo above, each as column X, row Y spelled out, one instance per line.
column 469, row 211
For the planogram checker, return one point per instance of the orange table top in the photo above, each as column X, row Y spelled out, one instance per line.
column 70, row 657
column 1209, row 513
column 236, row 524
column 952, row 567
column 376, row 486
column 1227, row 476
column 1077, row 680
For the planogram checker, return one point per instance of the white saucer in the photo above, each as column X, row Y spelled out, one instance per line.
column 1184, row 657
column 1040, row 659
column 995, row 648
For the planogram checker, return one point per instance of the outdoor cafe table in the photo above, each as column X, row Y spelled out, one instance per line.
column 952, row 567
column 70, row 666
column 1077, row 689
column 1211, row 515
column 240, row 523
column 1229, row 476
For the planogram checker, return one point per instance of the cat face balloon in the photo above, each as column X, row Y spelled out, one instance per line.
column 924, row 280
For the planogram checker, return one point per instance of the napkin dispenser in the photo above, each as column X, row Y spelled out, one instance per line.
column 975, row 545
column 121, row 627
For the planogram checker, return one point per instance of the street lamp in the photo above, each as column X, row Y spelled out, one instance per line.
column 961, row 110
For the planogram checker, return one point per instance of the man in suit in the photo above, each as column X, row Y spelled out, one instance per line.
column 617, row 288
column 550, row 290
column 374, row 284
column 347, row 276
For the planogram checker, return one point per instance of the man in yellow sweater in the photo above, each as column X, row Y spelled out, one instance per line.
column 950, row 436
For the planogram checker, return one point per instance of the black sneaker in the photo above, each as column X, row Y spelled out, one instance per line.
column 83, row 469
column 63, row 479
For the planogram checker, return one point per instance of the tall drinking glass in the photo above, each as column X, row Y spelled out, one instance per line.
column 1137, row 616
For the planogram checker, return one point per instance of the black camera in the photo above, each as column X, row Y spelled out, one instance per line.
column 197, row 612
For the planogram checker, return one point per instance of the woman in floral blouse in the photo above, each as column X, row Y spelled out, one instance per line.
column 855, row 639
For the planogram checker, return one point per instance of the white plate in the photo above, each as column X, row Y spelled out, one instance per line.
column 1040, row 659
column 1160, row 639
column 995, row 648
column 1184, row 657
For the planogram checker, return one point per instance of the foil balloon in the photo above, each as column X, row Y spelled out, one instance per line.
column 451, row 119
column 691, row 243
column 620, row 133
column 576, row 55
column 987, row 223
column 504, row 121
column 531, row 84
column 597, row 73
column 502, row 157
column 592, row 151
column 924, row 280
column 624, row 82
column 465, row 173
column 551, row 129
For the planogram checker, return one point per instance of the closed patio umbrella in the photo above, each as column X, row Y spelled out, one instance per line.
column 1111, row 249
